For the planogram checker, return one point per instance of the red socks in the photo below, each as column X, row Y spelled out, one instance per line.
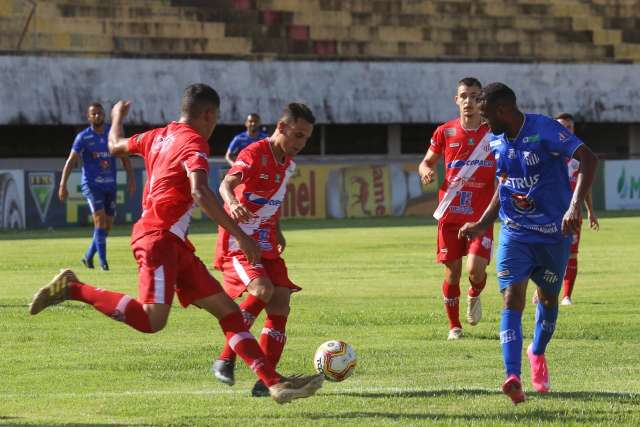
column 118, row 306
column 273, row 337
column 570, row 275
column 476, row 288
column 250, row 308
column 451, row 294
column 245, row 345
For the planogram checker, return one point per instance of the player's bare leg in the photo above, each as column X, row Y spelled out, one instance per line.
column 259, row 291
column 451, row 296
column 282, row 389
column 476, row 267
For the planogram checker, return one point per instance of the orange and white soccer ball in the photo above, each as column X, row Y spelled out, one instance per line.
column 336, row 360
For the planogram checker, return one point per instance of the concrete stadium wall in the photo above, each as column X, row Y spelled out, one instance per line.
column 56, row 90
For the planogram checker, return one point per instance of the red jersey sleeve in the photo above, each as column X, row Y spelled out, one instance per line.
column 196, row 155
column 437, row 140
column 244, row 164
column 137, row 144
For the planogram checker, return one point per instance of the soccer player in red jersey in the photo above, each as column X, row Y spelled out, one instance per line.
column 464, row 195
column 253, row 191
column 176, row 164
column 567, row 120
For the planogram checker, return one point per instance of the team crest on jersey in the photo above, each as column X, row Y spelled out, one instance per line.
column 277, row 178
column 471, row 141
column 450, row 131
column 264, row 176
column 531, row 159
column 511, row 154
column 522, row 203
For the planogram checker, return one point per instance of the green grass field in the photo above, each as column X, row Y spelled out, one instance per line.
column 372, row 283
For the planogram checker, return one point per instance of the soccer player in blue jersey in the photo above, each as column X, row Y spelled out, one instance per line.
column 538, row 212
column 98, row 183
column 241, row 140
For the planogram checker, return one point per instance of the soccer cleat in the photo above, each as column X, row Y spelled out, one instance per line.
column 539, row 371
column 104, row 267
column 566, row 301
column 259, row 389
column 290, row 388
column 54, row 293
column 512, row 387
column 474, row 310
column 455, row 334
column 223, row 370
column 88, row 262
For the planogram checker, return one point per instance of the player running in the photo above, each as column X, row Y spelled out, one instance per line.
column 538, row 211
column 464, row 195
column 98, row 181
column 253, row 191
column 176, row 163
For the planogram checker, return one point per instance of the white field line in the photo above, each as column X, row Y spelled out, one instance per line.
column 240, row 391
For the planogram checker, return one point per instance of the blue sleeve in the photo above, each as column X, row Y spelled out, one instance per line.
column 78, row 143
column 233, row 145
column 558, row 139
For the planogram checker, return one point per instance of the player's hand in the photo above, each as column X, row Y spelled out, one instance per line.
column 471, row 230
column 593, row 221
column 250, row 248
column 282, row 242
column 572, row 220
column 120, row 110
column 62, row 193
column 240, row 213
column 131, row 187
column 427, row 175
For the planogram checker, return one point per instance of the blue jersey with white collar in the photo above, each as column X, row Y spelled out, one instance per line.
column 534, row 184
column 98, row 165
column 241, row 140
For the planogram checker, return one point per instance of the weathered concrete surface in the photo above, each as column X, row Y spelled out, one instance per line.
column 56, row 90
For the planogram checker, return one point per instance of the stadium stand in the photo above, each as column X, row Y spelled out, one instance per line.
column 583, row 31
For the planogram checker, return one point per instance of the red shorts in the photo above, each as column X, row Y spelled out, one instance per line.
column 575, row 241
column 450, row 247
column 167, row 265
column 237, row 273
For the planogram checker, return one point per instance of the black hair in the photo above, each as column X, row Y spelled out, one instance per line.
column 564, row 116
column 255, row 115
column 95, row 104
column 470, row 81
column 297, row 110
column 197, row 98
column 498, row 93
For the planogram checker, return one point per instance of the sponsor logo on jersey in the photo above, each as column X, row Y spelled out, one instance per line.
column 496, row 155
column 523, row 203
column 550, row 277
column 264, row 160
column 162, row 143
column 88, row 136
column 100, row 155
column 450, row 131
column 480, row 163
column 259, row 200
column 495, row 143
column 511, row 154
column 264, row 176
column 444, row 250
column 241, row 164
column 521, row 183
column 486, row 242
column 203, row 155
column 563, row 136
column 531, row 138
column 531, row 159
column 454, row 145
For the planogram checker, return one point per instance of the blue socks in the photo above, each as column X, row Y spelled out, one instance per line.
column 100, row 242
column 511, row 341
column 544, row 327
column 91, row 250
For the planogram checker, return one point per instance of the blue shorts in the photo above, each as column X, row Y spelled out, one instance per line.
column 544, row 263
column 100, row 198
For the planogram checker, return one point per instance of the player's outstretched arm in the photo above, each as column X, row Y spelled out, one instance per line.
column 206, row 199
column 588, row 164
column 427, row 166
column 471, row 230
column 118, row 144
column 71, row 163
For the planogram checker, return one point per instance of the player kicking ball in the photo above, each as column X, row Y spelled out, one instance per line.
column 463, row 197
column 176, row 163
column 538, row 212
column 253, row 191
